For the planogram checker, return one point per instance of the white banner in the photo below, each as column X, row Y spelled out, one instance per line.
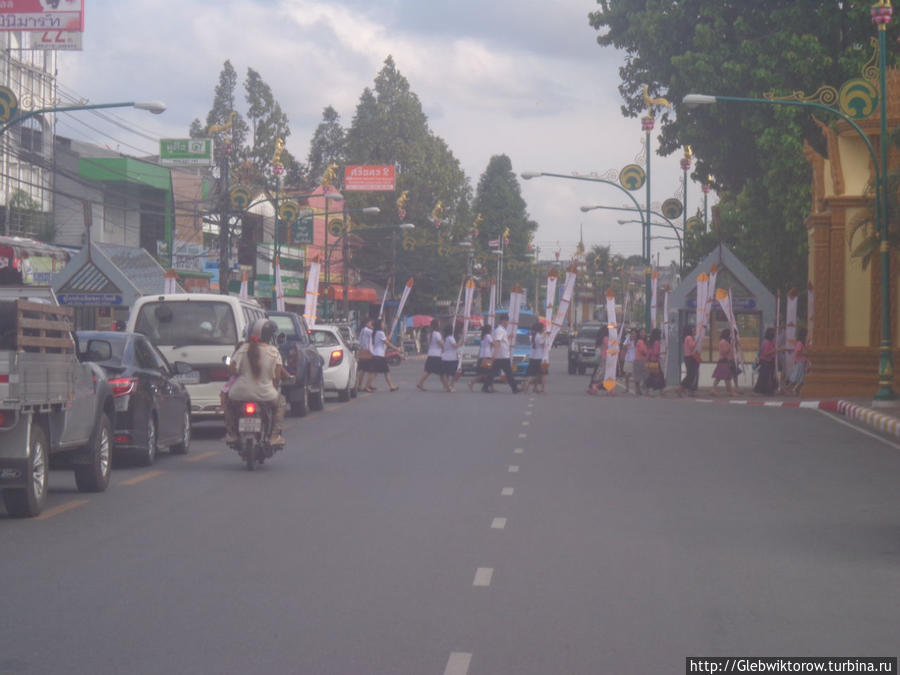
column 384, row 297
column 406, row 291
column 492, row 307
column 654, row 288
column 467, row 311
column 664, row 354
column 516, row 300
column 790, row 331
column 552, row 280
column 612, row 343
column 312, row 293
column 702, row 291
column 563, row 308
column 243, row 294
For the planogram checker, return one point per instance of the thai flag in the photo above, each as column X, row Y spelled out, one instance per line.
column 494, row 243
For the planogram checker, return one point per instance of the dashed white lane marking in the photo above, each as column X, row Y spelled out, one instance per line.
column 528, row 412
column 513, row 468
column 498, row 524
column 526, row 423
column 458, row 663
column 507, row 491
column 519, row 451
column 483, row 576
column 523, row 435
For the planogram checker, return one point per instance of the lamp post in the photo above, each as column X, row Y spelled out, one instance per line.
column 669, row 223
column 527, row 175
column 328, row 197
column 881, row 15
column 677, row 236
column 685, row 167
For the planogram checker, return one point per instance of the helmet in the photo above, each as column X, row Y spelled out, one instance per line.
column 264, row 330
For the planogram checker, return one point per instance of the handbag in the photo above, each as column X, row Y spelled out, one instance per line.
column 364, row 354
column 487, row 363
column 653, row 367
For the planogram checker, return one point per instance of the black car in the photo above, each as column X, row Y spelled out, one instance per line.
column 306, row 390
column 153, row 409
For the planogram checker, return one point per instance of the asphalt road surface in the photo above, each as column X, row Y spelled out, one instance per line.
column 470, row 533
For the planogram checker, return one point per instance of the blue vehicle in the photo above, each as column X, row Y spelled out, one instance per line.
column 521, row 352
column 526, row 317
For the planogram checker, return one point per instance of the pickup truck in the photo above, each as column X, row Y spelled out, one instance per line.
column 305, row 390
column 55, row 405
column 583, row 348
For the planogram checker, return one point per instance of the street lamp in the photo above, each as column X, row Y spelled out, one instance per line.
column 669, row 223
column 14, row 115
column 886, row 360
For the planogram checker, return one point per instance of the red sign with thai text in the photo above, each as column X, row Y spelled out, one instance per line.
column 41, row 15
column 369, row 178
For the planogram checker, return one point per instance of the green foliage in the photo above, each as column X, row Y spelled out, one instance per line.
column 742, row 49
column 328, row 146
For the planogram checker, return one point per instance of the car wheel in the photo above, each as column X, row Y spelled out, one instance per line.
column 94, row 477
column 184, row 445
column 317, row 399
column 298, row 405
column 29, row 501
column 149, row 455
column 345, row 393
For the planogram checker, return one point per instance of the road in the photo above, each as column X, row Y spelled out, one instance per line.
column 468, row 533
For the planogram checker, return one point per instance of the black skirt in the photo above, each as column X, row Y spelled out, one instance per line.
column 482, row 368
column 534, row 368
column 433, row 365
column 449, row 367
column 378, row 364
column 364, row 365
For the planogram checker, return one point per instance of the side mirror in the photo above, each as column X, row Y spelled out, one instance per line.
column 97, row 351
column 226, row 360
column 182, row 368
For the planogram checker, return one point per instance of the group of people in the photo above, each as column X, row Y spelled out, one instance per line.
column 639, row 358
column 494, row 358
column 372, row 355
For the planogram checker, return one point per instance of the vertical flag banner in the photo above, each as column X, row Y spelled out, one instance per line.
column 243, row 293
column 459, row 295
column 664, row 356
column 312, row 292
column 552, row 280
column 516, row 299
column 467, row 314
column 384, row 297
column 710, row 296
column 406, row 291
column 723, row 297
column 654, row 284
column 563, row 309
column 702, row 290
column 612, row 343
column 279, row 288
column 790, row 330
column 492, row 307
column 809, row 313
column 171, row 282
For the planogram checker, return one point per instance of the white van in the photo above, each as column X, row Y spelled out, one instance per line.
column 200, row 329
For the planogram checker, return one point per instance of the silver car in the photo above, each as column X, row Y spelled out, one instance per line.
column 468, row 354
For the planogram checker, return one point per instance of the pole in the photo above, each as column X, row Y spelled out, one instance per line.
column 345, row 255
column 275, row 247
column 648, row 127
column 224, row 228
column 325, row 294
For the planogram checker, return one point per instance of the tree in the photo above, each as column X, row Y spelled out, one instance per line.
column 755, row 151
column 328, row 146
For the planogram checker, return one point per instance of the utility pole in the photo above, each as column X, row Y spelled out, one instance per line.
column 224, row 229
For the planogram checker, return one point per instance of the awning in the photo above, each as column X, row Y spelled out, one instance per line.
column 418, row 320
column 357, row 294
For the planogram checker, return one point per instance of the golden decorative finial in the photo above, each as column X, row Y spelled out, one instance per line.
column 329, row 175
column 279, row 148
column 402, row 199
column 650, row 102
column 222, row 127
column 688, row 152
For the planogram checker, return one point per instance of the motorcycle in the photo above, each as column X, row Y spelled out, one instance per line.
column 254, row 425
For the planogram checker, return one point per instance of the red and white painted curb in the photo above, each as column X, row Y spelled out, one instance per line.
column 886, row 423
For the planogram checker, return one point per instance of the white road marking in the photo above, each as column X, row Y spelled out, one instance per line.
column 519, row 451
column 458, row 663
column 862, row 431
column 525, row 423
column 523, row 435
column 506, row 492
column 513, row 468
column 528, row 412
column 498, row 524
column 483, row 576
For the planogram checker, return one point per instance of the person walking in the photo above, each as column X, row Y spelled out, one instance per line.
column 801, row 361
column 656, row 379
column 628, row 364
column 692, row 359
column 602, row 347
column 365, row 352
column 433, row 358
column 766, row 382
column 726, row 369
column 640, row 361
column 449, row 360
column 379, row 363
column 485, row 360
column 535, row 372
column 502, row 355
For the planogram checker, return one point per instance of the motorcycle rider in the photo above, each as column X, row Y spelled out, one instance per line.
column 258, row 368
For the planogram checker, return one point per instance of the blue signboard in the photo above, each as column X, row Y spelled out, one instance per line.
column 737, row 304
column 89, row 299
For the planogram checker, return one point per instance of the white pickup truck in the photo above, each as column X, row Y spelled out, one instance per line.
column 55, row 405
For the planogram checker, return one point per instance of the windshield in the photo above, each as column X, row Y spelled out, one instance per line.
column 285, row 325
column 178, row 324
column 589, row 333
column 523, row 340
column 473, row 341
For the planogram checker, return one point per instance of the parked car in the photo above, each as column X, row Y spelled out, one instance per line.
column 468, row 354
column 562, row 338
column 521, row 352
column 583, row 348
column 348, row 335
column 305, row 391
column 340, row 361
column 153, row 409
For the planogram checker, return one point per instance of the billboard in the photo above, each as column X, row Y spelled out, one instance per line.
column 42, row 15
column 369, row 178
column 186, row 151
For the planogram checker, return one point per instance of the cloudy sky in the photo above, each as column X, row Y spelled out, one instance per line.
column 523, row 78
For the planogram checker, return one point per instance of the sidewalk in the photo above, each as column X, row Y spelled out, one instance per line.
column 883, row 416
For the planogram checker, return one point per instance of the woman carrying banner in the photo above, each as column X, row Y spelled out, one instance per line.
column 628, row 350
column 725, row 368
column 766, row 382
column 378, row 362
column 692, row 359
column 485, row 362
column 535, row 372
column 602, row 346
column 656, row 379
column 449, row 360
column 435, row 349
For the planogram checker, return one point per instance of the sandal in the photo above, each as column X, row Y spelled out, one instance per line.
column 420, row 387
column 395, row 388
column 369, row 389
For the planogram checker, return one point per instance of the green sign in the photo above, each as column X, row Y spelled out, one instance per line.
column 186, row 151
column 302, row 229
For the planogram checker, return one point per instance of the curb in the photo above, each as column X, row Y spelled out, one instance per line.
column 884, row 423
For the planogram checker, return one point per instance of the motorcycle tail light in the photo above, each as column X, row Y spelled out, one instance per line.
column 336, row 357
column 122, row 386
column 250, row 408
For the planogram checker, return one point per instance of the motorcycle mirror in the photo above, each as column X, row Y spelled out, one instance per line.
column 226, row 360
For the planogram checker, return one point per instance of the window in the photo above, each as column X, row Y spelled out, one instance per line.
column 321, row 338
column 187, row 323
column 143, row 354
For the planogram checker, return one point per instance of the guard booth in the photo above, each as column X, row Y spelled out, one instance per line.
column 754, row 310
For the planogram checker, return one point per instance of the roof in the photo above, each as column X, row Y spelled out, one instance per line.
column 138, row 265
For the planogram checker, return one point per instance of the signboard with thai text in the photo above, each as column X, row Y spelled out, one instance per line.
column 42, row 15
column 63, row 40
column 369, row 178
column 185, row 151
column 89, row 299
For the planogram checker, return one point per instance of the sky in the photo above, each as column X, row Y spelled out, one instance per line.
column 524, row 78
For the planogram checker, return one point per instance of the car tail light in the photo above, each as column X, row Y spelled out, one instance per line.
column 122, row 386
column 123, row 438
column 2, row 420
column 250, row 408
column 336, row 357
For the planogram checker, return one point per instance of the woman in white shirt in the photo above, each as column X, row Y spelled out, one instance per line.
column 365, row 352
column 378, row 363
column 435, row 350
column 449, row 360
column 485, row 360
column 535, row 372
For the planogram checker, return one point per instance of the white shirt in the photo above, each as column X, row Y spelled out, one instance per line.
column 435, row 344
column 449, row 353
column 365, row 338
column 487, row 347
column 539, row 347
column 248, row 388
column 501, row 342
column 629, row 348
column 378, row 343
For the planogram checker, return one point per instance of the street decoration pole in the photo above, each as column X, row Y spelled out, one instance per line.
column 685, row 167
